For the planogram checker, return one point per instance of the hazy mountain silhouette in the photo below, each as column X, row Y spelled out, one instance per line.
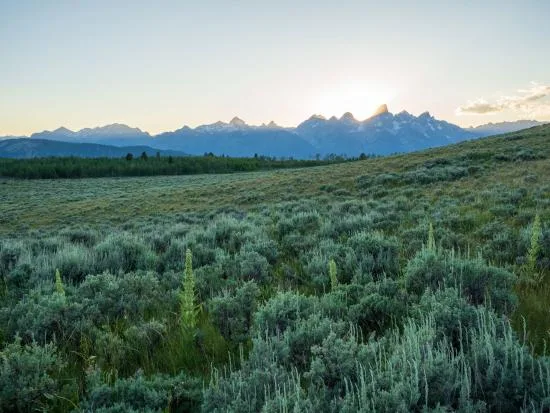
column 381, row 134
column 504, row 127
column 40, row 148
column 116, row 134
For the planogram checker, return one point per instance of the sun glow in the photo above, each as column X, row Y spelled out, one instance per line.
column 361, row 99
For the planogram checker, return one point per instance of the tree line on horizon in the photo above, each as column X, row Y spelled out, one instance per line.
column 144, row 165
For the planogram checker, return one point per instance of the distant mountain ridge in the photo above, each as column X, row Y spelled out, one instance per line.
column 41, row 148
column 115, row 134
column 504, row 127
column 381, row 134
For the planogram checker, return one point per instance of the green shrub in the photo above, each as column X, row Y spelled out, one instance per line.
column 377, row 254
column 232, row 312
column 10, row 254
column 478, row 282
column 29, row 377
column 85, row 236
column 122, row 253
column 158, row 393
column 302, row 223
column 281, row 311
column 252, row 266
column 75, row 262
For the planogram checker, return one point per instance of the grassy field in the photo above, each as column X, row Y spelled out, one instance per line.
column 35, row 204
column 262, row 242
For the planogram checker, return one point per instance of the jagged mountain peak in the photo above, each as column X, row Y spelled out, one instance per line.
column 381, row 110
column 63, row 131
column 404, row 114
column 348, row 117
column 383, row 133
column 317, row 117
column 113, row 129
column 236, row 121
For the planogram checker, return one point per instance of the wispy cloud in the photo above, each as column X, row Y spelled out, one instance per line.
column 532, row 101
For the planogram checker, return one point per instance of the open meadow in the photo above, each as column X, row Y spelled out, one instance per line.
column 415, row 282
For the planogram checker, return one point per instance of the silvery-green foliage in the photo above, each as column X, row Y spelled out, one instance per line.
column 11, row 253
column 414, row 369
column 252, row 266
column 427, row 270
column 40, row 315
column 373, row 307
column 170, row 259
column 17, row 281
column 315, row 263
column 272, row 369
column 80, row 235
column 301, row 223
column 28, row 376
column 74, row 261
column 282, row 311
column 142, row 394
column 123, row 252
column 452, row 314
column 479, row 283
column 345, row 225
column 229, row 234
column 232, row 311
column 100, row 300
column 377, row 255
column 133, row 296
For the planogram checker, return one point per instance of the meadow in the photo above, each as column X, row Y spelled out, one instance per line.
column 415, row 282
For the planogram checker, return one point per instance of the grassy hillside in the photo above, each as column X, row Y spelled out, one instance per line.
column 404, row 283
column 508, row 160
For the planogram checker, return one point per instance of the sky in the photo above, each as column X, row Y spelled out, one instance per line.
column 164, row 64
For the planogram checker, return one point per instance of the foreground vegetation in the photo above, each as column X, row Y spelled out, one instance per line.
column 409, row 283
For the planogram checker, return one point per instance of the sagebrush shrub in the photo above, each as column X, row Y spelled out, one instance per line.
column 123, row 253
column 28, row 376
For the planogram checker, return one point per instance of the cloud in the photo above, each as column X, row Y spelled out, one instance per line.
column 479, row 106
column 530, row 101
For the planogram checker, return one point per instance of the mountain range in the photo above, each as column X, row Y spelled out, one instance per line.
column 381, row 134
column 504, row 127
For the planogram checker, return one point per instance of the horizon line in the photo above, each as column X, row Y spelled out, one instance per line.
column 263, row 124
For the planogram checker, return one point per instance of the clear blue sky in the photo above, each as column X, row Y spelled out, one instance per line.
column 160, row 65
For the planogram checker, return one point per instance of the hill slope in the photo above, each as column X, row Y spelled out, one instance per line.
column 42, row 148
column 502, row 156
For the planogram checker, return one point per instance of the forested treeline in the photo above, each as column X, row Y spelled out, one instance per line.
column 74, row 167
